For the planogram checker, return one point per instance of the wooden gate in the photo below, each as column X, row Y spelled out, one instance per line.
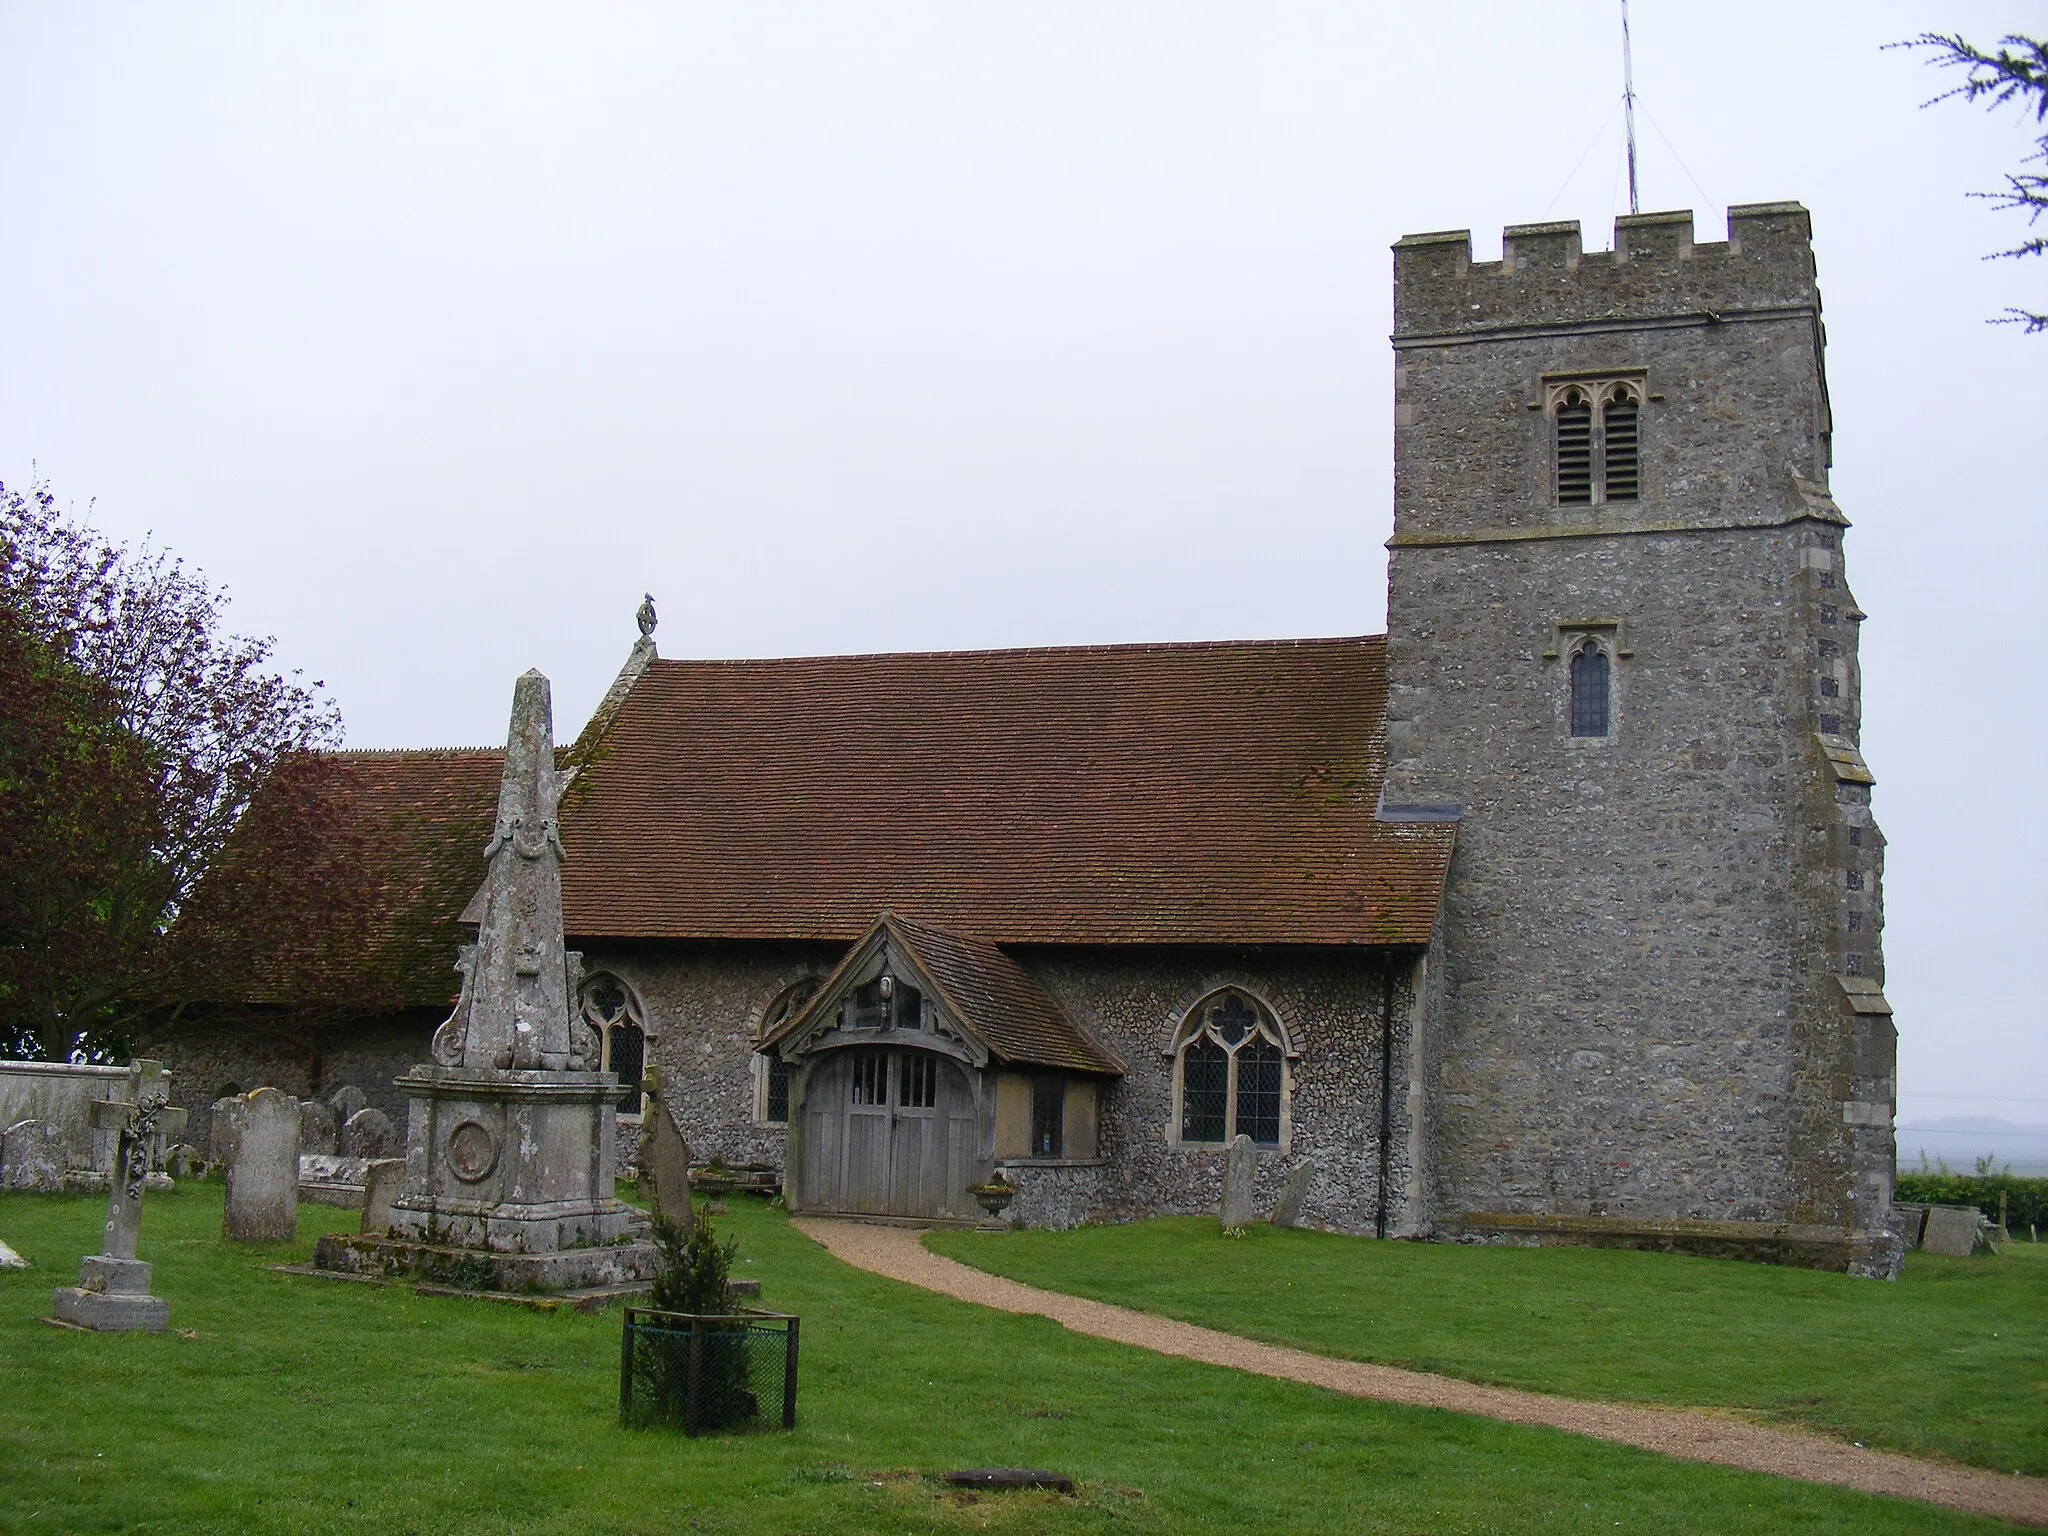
column 888, row 1132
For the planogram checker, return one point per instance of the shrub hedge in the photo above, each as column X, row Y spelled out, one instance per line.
column 2026, row 1199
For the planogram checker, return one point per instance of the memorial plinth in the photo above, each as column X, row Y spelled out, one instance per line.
column 509, row 1158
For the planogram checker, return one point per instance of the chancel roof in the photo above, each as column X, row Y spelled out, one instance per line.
column 1140, row 794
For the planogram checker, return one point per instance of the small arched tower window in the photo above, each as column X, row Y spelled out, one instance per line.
column 1230, row 1072
column 772, row 1101
column 1620, row 432
column 1591, row 688
column 612, row 1010
column 1574, row 420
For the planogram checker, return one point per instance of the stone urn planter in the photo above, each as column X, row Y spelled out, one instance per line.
column 994, row 1197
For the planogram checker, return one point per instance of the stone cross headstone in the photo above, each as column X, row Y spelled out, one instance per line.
column 383, row 1178
column 664, row 1156
column 1953, row 1230
column 346, row 1101
column 112, row 1294
column 317, row 1129
column 262, row 1168
column 1240, row 1176
column 369, row 1133
column 32, row 1156
column 1294, row 1194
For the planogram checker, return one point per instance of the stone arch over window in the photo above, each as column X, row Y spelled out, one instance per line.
column 771, row 1072
column 1231, row 1074
column 611, row 1008
column 1592, row 687
column 1596, row 438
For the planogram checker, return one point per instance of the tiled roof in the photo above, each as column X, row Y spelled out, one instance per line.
column 1150, row 794
column 981, row 987
column 1015, row 1018
column 423, row 818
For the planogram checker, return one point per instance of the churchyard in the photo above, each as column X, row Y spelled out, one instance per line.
column 284, row 1403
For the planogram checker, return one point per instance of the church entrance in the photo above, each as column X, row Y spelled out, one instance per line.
column 888, row 1132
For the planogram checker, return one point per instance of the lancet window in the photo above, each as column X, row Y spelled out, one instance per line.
column 1592, row 684
column 1596, row 441
column 1230, row 1073
column 771, row 1103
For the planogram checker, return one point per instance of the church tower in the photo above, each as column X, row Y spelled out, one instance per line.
column 1622, row 656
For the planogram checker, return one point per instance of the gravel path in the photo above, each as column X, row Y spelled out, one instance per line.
column 898, row 1253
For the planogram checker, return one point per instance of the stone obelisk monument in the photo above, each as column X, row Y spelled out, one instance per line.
column 509, row 1141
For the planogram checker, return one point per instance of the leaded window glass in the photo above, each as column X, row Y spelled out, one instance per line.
column 1232, row 1073
column 611, row 1011
column 1258, row 1092
column 625, row 1053
column 1205, row 1092
column 1591, row 682
column 776, row 1111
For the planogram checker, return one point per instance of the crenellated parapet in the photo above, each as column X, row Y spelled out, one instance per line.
column 1656, row 271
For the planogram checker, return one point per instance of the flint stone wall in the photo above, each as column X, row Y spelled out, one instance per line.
column 702, row 1006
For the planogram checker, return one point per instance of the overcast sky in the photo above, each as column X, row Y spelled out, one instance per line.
column 440, row 334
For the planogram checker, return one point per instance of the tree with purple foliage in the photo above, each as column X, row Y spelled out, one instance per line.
column 135, row 733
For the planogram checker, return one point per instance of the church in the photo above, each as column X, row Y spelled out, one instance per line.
column 1551, row 915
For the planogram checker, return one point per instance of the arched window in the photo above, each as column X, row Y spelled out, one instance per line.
column 1591, row 688
column 771, row 1101
column 1574, row 448
column 1230, row 1073
column 614, row 1013
column 1621, row 441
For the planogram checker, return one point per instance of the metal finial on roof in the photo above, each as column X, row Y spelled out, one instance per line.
column 645, row 617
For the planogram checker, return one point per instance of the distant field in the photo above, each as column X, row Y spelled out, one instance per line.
column 1952, row 1361
column 307, row 1406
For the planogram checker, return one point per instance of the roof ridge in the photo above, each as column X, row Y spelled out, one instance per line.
column 1118, row 647
column 412, row 752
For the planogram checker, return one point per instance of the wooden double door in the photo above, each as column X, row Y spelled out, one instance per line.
column 888, row 1131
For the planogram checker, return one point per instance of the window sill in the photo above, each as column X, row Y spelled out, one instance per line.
column 1177, row 1145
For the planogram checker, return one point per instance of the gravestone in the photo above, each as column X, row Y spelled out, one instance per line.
column 316, row 1129
column 1912, row 1220
column 345, row 1101
column 32, row 1157
column 332, row 1180
column 664, row 1156
column 182, row 1161
column 1240, row 1177
column 262, row 1168
column 9, row 1259
column 369, row 1133
column 1955, row 1231
column 112, row 1294
column 1294, row 1194
column 383, row 1178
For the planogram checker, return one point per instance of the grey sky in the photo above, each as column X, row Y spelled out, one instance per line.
column 439, row 334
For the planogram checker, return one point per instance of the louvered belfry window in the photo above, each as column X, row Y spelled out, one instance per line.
column 1574, row 449
column 1621, row 462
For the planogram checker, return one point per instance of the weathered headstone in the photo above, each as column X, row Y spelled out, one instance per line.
column 345, row 1101
column 369, row 1133
column 9, row 1259
column 1954, row 1231
column 1294, row 1193
column 383, row 1178
column 1240, row 1176
column 664, row 1156
column 1912, row 1220
column 32, row 1156
column 182, row 1161
column 262, row 1168
column 332, row 1180
column 317, row 1129
column 112, row 1294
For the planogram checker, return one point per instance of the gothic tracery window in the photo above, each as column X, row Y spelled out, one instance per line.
column 1597, row 440
column 614, row 1013
column 1230, row 1073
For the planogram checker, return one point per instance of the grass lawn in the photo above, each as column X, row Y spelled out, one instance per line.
column 1952, row 1361
column 291, row 1404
